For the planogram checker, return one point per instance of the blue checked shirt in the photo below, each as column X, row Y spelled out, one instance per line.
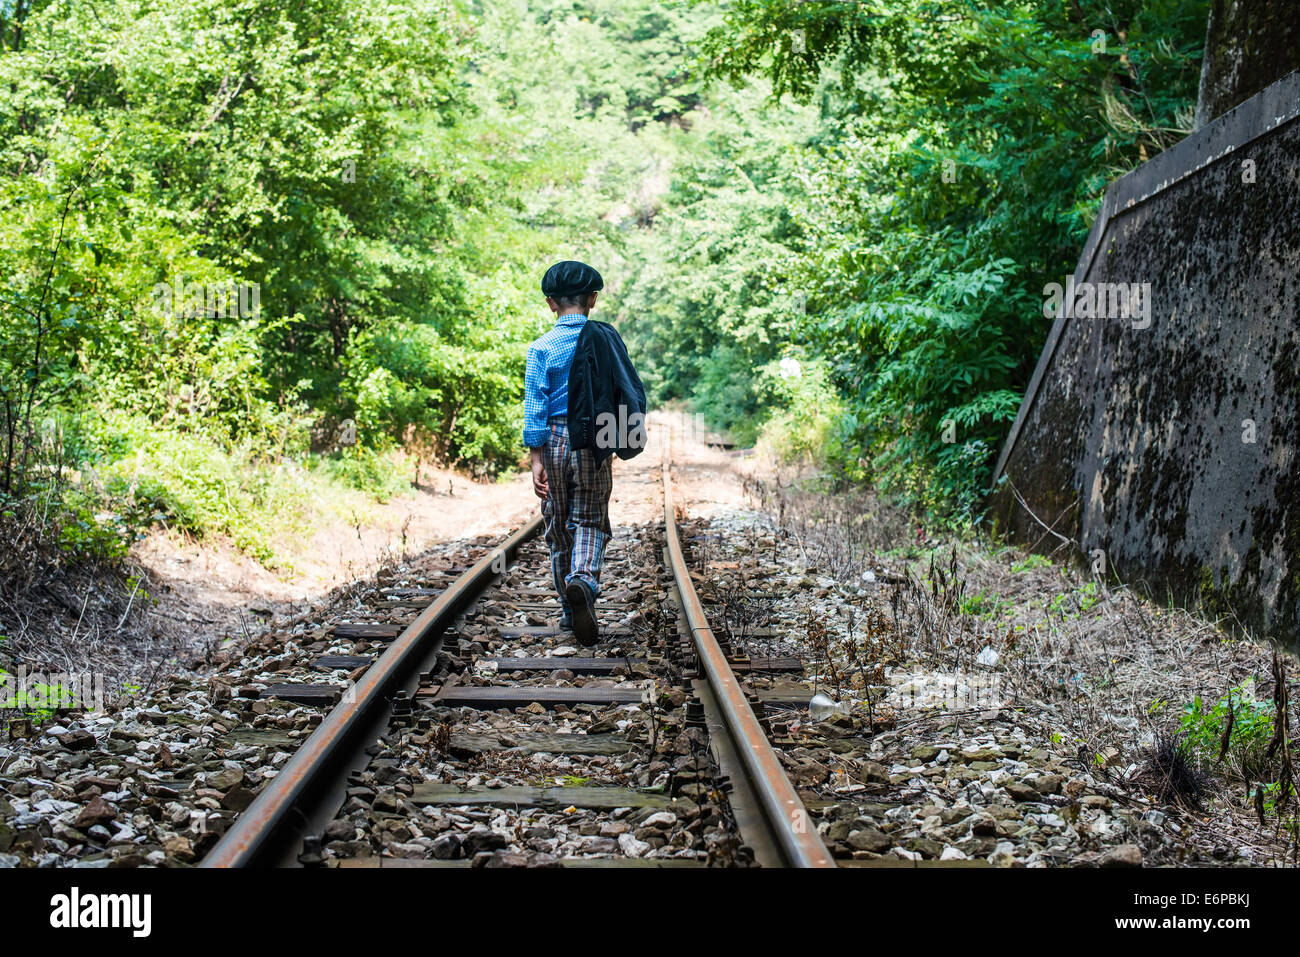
column 546, row 383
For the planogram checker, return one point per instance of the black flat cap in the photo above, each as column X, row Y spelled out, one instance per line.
column 570, row 278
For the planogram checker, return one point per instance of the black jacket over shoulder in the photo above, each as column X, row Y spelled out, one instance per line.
column 606, row 398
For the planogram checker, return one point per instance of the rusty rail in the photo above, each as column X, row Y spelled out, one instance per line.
column 786, row 819
column 299, row 800
column 267, row 832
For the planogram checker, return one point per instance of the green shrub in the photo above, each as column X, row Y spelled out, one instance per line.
column 804, row 409
column 1203, row 725
column 931, row 411
column 456, row 403
column 381, row 474
column 188, row 482
column 86, row 532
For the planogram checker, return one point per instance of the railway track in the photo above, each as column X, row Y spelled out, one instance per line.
column 434, row 716
column 479, row 736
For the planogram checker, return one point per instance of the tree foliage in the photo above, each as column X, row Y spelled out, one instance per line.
column 961, row 152
column 873, row 191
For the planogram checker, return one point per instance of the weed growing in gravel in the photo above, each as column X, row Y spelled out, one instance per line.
column 1031, row 562
column 740, row 613
column 440, row 739
column 1070, row 605
column 819, row 640
column 1236, row 728
column 864, row 656
column 1279, row 751
column 983, row 605
column 31, row 703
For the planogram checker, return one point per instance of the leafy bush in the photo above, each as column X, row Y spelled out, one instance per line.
column 933, row 407
column 186, row 481
column 87, row 533
column 380, row 474
column 1203, row 725
column 805, row 409
column 410, row 385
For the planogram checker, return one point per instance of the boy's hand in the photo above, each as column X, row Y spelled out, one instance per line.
column 540, row 484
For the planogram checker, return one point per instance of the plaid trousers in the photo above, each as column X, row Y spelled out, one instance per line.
column 576, row 510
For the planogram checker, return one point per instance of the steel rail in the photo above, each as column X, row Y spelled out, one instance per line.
column 257, row 838
column 785, row 816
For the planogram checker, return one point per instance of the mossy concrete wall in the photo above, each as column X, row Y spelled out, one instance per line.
column 1249, row 44
column 1167, row 444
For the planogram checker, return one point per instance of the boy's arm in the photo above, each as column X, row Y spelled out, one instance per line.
column 535, row 427
column 535, row 400
column 541, row 485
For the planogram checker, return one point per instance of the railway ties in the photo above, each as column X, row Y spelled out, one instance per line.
column 475, row 732
column 541, row 745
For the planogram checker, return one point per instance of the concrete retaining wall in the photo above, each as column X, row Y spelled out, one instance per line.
column 1167, row 442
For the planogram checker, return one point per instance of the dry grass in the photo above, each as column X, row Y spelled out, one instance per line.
column 81, row 617
column 1103, row 668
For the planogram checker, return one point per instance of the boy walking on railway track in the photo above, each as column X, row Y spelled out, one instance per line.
column 583, row 402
